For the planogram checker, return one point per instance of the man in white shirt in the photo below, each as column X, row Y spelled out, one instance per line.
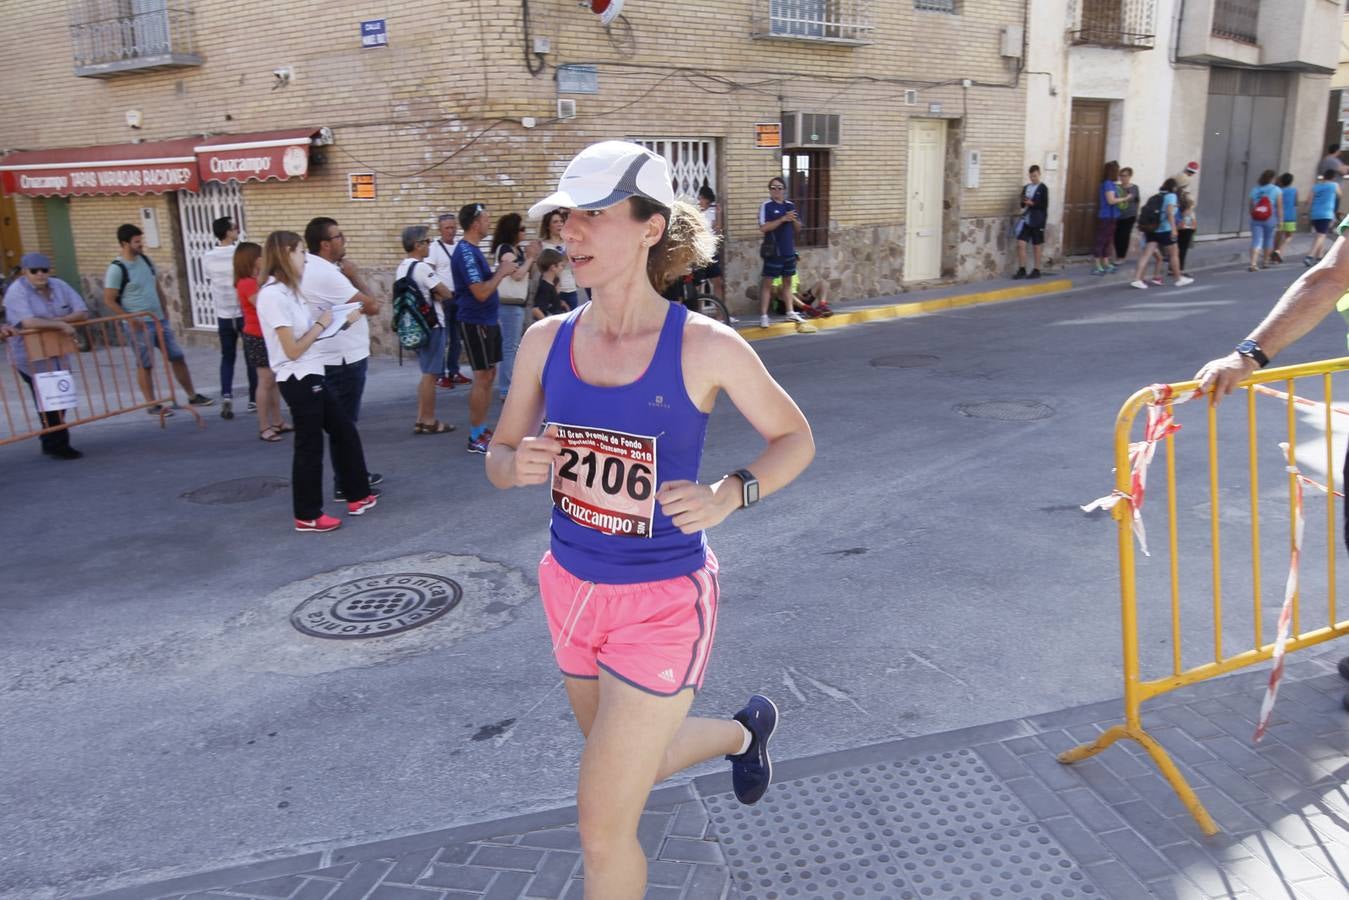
column 329, row 279
column 218, row 264
column 440, row 255
column 430, row 358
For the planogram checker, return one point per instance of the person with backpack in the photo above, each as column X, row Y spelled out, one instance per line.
column 419, row 321
column 1325, row 200
column 297, row 358
column 130, row 285
column 475, row 294
column 1157, row 223
column 1266, row 213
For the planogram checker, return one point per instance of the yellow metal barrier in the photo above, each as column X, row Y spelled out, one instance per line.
column 1136, row 691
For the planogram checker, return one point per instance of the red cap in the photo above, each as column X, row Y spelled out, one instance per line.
column 1192, row 168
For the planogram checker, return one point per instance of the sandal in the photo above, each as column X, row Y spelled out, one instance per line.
column 436, row 427
column 284, row 428
column 270, row 434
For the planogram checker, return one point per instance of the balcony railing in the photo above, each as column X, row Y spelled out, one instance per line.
column 1126, row 24
column 1237, row 20
column 830, row 21
column 154, row 38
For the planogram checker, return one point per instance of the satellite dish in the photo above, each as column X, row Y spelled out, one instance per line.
column 607, row 10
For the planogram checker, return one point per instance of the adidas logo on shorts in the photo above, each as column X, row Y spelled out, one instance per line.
column 667, row 675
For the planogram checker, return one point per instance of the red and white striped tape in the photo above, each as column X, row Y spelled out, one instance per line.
column 1289, row 592
column 1161, row 424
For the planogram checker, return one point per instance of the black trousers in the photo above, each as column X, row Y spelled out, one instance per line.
column 346, row 382
column 314, row 410
column 1183, row 238
column 1124, row 229
column 53, row 441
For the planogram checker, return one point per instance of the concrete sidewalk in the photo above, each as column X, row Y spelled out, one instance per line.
column 978, row 813
column 1069, row 276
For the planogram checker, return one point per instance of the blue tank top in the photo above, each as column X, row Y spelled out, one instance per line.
column 1323, row 200
column 607, row 527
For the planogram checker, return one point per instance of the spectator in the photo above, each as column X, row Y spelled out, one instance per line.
column 1332, row 162
column 218, row 264
column 330, row 278
column 431, row 357
column 441, row 255
column 1288, row 224
column 131, row 286
column 39, row 301
column 707, row 204
column 778, row 222
column 1128, row 213
column 291, row 333
column 547, row 300
column 1162, row 240
column 1030, row 228
column 475, row 292
column 812, row 302
column 1187, row 221
column 1266, row 212
column 508, row 241
column 1325, row 200
column 247, row 267
column 550, row 232
column 1109, row 201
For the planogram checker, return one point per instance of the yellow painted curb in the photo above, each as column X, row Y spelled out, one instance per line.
column 920, row 307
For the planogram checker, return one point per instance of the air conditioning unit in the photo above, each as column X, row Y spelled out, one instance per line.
column 803, row 129
column 566, row 109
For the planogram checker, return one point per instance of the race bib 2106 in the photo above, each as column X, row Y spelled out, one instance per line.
column 606, row 480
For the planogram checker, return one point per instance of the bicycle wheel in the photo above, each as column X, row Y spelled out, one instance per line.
column 713, row 308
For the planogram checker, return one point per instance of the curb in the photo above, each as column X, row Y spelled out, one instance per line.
column 916, row 308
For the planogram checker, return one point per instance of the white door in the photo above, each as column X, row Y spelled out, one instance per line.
column 923, row 231
column 197, row 210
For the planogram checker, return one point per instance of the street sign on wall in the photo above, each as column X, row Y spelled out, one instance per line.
column 374, row 33
column 361, row 185
column 768, row 135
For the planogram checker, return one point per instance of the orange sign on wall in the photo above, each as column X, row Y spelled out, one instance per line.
column 361, row 185
column 768, row 135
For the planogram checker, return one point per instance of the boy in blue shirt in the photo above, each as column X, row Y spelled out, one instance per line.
column 1288, row 227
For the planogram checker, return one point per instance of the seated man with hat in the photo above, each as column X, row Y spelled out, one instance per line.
column 39, row 301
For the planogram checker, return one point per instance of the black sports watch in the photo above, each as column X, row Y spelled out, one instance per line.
column 749, row 487
column 1250, row 348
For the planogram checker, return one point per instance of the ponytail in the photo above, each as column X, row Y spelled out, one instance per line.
column 686, row 243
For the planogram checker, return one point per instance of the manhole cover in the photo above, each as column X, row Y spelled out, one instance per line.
column 1006, row 410
column 376, row 606
column 904, row 360
column 237, row 490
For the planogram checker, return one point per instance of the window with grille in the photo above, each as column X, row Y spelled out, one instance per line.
column 1236, row 19
column 807, row 176
column 946, row 6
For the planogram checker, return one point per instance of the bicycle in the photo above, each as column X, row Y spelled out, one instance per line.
column 696, row 293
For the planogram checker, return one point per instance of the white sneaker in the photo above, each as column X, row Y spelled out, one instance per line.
column 1141, row 285
column 795, row 316
column 1184, row 280
column 763, row 321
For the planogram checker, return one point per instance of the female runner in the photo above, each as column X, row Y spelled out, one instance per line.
column 623, row 387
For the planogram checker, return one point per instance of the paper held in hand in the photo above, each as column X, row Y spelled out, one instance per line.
column 340, row 312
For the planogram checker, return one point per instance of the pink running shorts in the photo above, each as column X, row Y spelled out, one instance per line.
column 655, row 635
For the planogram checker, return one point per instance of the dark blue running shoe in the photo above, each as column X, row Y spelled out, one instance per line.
column 752, row 771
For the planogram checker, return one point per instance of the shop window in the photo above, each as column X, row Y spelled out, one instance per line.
column 807, row 176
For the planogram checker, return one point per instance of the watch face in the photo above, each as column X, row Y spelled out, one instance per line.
column 751, row 493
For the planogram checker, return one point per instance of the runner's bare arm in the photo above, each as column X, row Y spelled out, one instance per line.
column 1299, row 310
column 721, row 360
column 518, row 455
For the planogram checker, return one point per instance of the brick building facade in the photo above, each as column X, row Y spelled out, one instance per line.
column 914, row 181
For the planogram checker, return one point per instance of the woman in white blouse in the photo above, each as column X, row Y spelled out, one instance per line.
column 294, row 356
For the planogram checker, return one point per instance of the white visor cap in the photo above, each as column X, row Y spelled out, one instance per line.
column 607, row 173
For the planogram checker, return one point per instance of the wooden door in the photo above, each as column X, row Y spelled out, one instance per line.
column 923, row 222
column 11, row 245
column 1086, row 158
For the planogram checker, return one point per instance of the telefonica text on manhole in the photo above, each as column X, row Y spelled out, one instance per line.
column 376, row 606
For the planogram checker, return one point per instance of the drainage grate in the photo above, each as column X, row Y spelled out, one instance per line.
column 939, row 826
column 237, row 490
column 905, row 360
column 1005, row 410
column 377, row 606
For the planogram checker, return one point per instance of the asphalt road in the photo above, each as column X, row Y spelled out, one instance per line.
column 159, row 715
